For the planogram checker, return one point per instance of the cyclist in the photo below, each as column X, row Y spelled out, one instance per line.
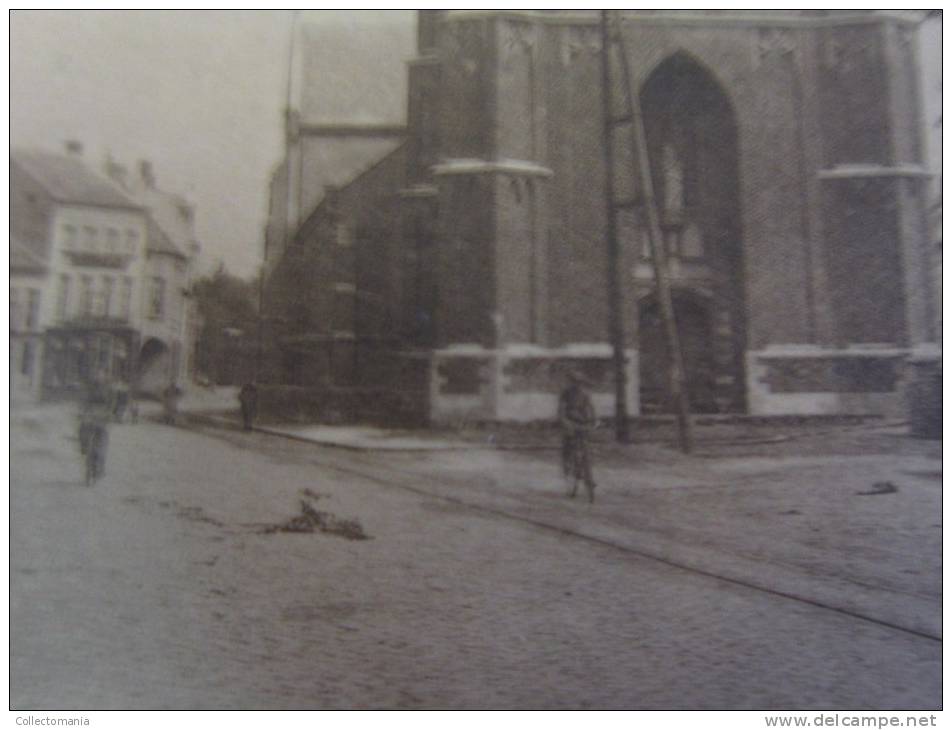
column 577, row 419
column 96, row 411
column 248, row 398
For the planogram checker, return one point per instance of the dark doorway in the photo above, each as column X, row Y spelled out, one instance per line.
column 694, row 329
column 155, row 367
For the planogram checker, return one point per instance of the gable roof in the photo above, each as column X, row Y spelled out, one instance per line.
column 23, row 260
column 159, row 242
column 68, row 180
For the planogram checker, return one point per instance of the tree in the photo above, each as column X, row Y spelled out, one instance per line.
column 228, row 311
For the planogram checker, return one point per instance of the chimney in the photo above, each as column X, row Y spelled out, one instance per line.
column 428, row 30
column 74, row 148
column 115, row 172
column 146, row 174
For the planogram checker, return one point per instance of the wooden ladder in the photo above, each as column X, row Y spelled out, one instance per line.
column 623, row 119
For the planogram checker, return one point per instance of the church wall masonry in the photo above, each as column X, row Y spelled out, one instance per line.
column 786, row 156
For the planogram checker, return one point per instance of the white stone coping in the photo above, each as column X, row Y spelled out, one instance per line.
column 419, row 191
column 586, row 349
column 680, row 17
column 526, row 350
column 465, row 348
column 474, row 166
column 848, row 172
column 778, row 352
column 424, row 60
column 925, row 353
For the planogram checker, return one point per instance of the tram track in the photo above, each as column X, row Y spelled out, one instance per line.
column 409, row 481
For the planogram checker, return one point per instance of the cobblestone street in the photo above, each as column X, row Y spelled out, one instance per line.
column 481, row 587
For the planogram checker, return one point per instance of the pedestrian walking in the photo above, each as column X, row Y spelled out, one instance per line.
column 577, row 419
column 121, row 399
column 248, row 398
column 170, row 399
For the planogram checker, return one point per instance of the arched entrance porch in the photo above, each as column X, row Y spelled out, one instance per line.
column 693, row 154
column 155, row 366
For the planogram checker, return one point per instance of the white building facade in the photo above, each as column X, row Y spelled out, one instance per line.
column 100, row 289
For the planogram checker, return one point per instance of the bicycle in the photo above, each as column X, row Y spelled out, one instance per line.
column 93, row 440
column 577, row 464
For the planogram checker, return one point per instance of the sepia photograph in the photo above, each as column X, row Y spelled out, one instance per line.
column 466, row 360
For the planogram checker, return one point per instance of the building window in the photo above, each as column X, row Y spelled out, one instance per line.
column 26, row 364
column 91, row 238
column 32, row 308
column 105, row 299
column 69, row 236
column 62, row 297
column 344, row 235
column 15, row 314
column 86, row 296
column 156, row 297
column 112, row 240
column 125, row 299
column 132, row 241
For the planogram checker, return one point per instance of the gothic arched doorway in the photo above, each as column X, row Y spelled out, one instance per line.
column 693, row 153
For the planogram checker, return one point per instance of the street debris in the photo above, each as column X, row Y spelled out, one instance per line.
column 881, row 488
column 194, row 514
column 311, row 519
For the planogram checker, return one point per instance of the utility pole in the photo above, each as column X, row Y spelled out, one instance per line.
column 292, row 216
column 615, row 330
column 634, row 119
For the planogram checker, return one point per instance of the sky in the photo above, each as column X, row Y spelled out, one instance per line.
column 200, row 94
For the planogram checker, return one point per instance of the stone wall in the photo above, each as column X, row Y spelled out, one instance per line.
column 522, row 383
column 335, row 405
column 486, row 250
column 816, row 381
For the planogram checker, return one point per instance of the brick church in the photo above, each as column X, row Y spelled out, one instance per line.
column 451, row 263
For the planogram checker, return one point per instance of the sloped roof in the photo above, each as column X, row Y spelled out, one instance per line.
column 68, row 180
column 159, row 242
column 337, row 162
column 24, row 260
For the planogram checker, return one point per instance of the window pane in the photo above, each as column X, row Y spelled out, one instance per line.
column 15, row 313
column 62, row 297
column 108, row 285
column 132, row 239
column 86, row 296
column 69, row 237
column 33, row 308
column 157, row 297
column 125, row 305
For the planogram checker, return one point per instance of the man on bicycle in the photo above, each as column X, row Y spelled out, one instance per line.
column 95, row 413
column 577, row 419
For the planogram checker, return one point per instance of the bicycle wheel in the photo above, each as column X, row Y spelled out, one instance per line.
column 96, row 454
column 583, row 470
column 90, row 463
